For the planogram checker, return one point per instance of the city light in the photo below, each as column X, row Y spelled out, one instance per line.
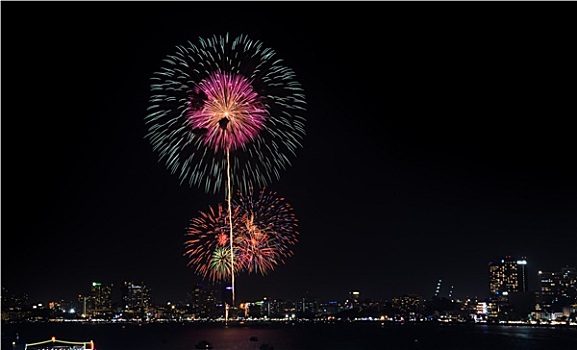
column 557, row 303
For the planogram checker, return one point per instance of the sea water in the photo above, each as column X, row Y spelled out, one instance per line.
column 296, row 336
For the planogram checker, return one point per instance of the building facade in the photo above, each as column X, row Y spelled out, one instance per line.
column 557, row 289
column 506, row 276
column 135, row 300
column 99, row 301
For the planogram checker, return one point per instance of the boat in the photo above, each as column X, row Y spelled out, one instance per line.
column 203, row 344
column 57, row 344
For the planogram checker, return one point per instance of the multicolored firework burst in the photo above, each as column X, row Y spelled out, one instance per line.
column 266, row 229
column 208, row 248
column 225, row 107
column 223, row 96
column 269, row 230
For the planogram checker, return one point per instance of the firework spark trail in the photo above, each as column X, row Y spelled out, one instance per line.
column 266, row 230
column 266, row 217
column 219, row 266
column 208, row 239
column 229, row 202
column 257, row 252
column 220, row 97
column 220, row 94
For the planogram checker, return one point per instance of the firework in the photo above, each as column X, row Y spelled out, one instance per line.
column 269, row 230
column 257, row 249
column 209, row 243
column 222, row 96
column 225, row 112
column 265, row 227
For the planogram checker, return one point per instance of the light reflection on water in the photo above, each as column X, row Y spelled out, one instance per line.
column 525, row 332
column 340, row 336
column 239, row 338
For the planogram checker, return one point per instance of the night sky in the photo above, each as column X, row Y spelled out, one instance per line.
column 435, row 143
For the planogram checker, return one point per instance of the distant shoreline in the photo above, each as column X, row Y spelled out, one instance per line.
column 248, row 323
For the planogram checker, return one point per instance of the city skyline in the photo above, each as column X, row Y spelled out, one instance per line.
column 428, row 151
column 443, row 288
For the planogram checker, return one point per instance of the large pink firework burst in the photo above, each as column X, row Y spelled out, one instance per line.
column 229, row 113
column 225, row 103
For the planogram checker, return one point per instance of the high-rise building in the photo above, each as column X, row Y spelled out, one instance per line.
column 100, row 300
column 557, row 289
column 202, row 302
column 507, row 275
column 136, row 300
column 14, row 307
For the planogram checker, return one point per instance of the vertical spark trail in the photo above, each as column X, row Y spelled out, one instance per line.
column 229, row 200
column 264, row 232
column 219, row 96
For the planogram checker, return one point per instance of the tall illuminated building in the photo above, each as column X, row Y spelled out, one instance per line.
column 202, row 302
column 14, row 307
column 508, row 275
column 100, row 300
column 136, row 300
column 557, row 289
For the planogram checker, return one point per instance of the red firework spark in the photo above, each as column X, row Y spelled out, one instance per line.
column 265, row 229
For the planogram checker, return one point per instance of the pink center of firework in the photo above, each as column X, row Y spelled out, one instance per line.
column 230, row 115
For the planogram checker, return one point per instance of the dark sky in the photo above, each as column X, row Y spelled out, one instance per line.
column 434, row 144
